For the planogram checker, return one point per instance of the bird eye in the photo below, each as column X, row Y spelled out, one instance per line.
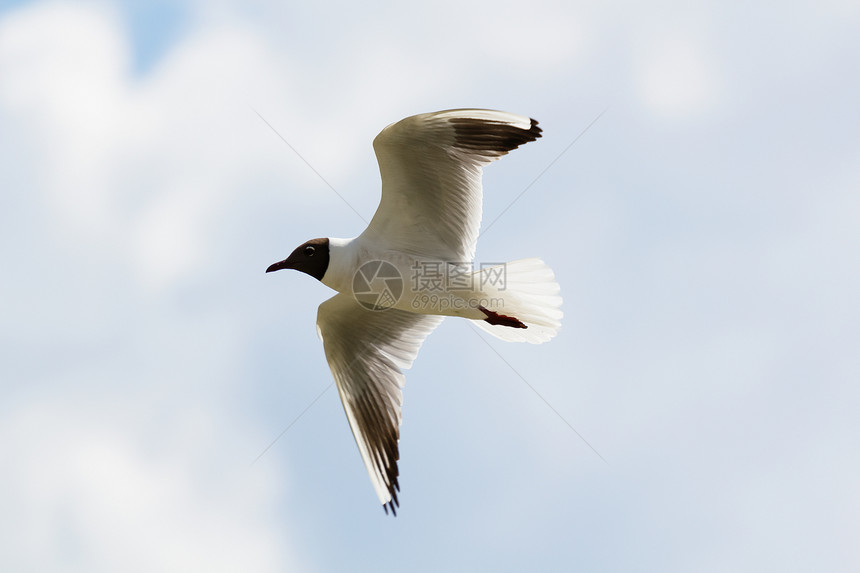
column 309, row 251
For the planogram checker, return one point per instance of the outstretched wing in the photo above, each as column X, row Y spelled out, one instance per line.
column 431, row 178
column 367, row 351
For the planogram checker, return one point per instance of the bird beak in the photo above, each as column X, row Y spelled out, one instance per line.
column 285, row 264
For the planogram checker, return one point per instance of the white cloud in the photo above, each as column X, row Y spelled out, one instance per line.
column 83, row 494
column 548, row 37
column 62, row 68
column 139, row 166
column 675, row 75
column 129, row 178
column 169, row 238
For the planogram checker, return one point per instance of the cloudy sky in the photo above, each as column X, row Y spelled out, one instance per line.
column 705, row 231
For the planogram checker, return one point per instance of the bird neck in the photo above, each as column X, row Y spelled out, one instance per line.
column 341, row 265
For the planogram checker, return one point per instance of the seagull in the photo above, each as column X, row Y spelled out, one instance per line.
column 413, row 266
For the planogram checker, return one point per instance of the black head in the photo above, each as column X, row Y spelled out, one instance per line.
column 311, row 258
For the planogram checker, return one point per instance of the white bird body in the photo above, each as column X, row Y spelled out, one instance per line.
column 419, row 296
column 413, row 265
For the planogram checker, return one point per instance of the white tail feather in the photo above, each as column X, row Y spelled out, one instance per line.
column 526, row 290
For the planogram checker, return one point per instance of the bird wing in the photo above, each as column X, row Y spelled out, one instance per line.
column 367, row 351
column 431, row 178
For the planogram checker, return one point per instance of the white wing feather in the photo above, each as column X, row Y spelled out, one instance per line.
column 367, row 352
column 431, row 178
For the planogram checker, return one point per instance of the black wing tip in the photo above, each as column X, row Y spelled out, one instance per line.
column 393, row 504
column 532, row 133
column 393, row 488
column 477, row 135
column 392, row 491
column 535, row 129
column 392, row 474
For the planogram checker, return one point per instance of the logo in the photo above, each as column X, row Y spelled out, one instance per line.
column 377, row 285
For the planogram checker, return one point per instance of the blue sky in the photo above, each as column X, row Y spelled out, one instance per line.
column 704, row 231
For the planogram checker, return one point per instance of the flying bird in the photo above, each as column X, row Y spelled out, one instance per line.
column 414, row 265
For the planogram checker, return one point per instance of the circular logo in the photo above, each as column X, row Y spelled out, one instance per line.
column 377, row 285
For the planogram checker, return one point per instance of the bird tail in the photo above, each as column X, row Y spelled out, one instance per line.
column 524, row 290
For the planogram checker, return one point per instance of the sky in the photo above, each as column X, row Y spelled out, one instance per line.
column 705, row 231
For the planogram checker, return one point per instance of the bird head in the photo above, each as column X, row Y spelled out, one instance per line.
column 310, row 258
